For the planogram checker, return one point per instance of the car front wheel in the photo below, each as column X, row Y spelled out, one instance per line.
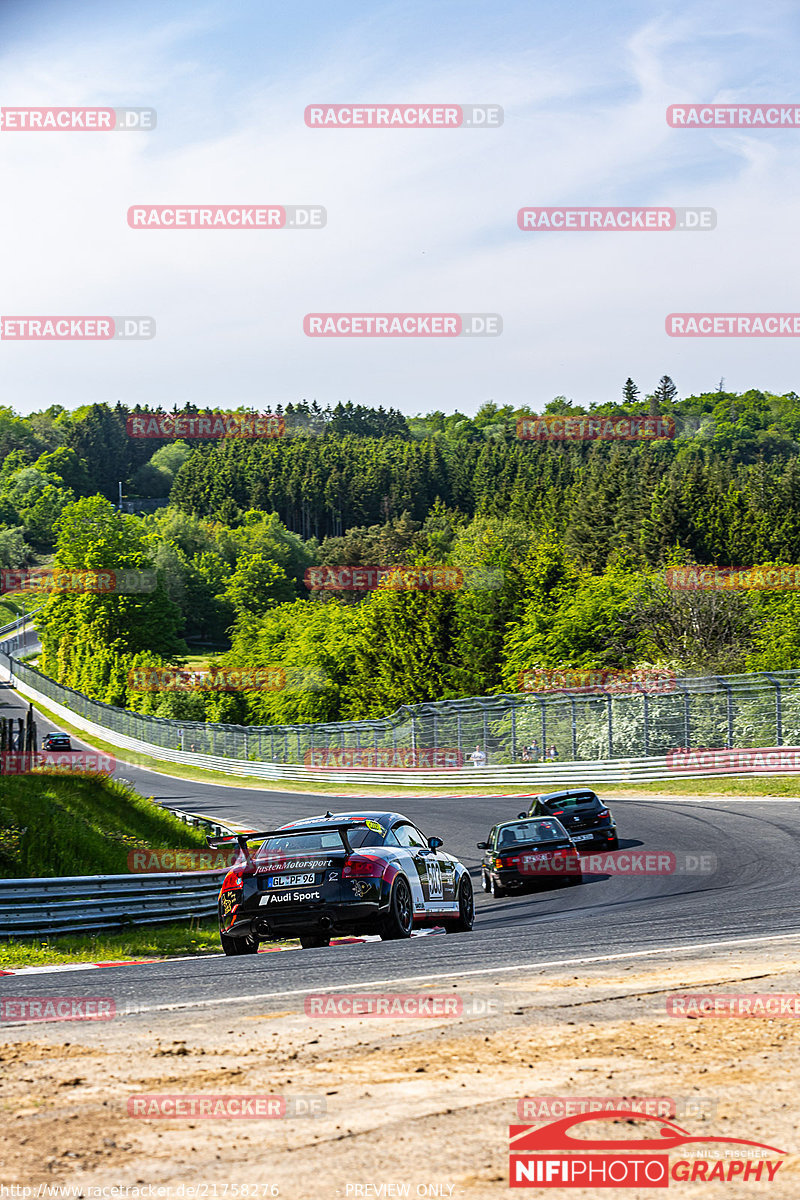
column 309, row 941
column 238, row 945
column 466, row 909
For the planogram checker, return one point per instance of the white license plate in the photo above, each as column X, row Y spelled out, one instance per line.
column 289, row 880
column 583, row 837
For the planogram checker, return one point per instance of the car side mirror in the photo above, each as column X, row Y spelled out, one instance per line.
column 435, row 843
column 482, row 845
column 522, row 814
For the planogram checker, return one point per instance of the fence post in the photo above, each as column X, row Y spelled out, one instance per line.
column 729, row 698
column 513, row 731
column 575, row 731
column 543, row 705
column 778, row 708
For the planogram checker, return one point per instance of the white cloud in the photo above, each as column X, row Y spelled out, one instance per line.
column 416, row 221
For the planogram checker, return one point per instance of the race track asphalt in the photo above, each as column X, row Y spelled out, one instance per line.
column 751, row 893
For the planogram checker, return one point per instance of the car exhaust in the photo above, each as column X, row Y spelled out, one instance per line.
column 261, row 927
column 325, row 923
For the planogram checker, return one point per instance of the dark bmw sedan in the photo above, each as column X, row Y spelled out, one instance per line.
column 585, row 817
column 526, row 853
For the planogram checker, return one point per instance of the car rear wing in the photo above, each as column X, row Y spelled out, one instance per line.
column 242, row 839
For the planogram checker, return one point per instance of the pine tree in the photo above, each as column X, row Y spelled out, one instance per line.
column 630, row 392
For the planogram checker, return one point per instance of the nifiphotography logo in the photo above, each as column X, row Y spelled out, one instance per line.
column 552, row 1156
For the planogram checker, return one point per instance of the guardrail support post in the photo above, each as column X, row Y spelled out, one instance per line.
column 778, row 708
column 729, row 706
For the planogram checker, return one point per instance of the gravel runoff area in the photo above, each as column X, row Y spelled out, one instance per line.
column 405, row 1106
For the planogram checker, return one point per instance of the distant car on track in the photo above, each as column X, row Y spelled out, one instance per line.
column 583, row 814
column 343, row 873
column 520, row 854
column 56, row 741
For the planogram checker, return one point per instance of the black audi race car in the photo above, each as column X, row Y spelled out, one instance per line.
column 582, row 813
column 342, row 873
column 527, row 853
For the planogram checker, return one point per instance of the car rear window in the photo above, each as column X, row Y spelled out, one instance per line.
column 540, row 830
column 573, row 801
column 313, row 843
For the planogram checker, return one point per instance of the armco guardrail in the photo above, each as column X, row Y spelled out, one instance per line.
column 762, row 705
column 534, row 777
column 762, row 708
column 29, row 907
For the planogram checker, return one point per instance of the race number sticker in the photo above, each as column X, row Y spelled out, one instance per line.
column 435, row 890
column 374, row 825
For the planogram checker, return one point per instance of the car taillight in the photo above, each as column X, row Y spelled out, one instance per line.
column 360, row 865
column 558, row 812
column 233, row 880
column 508, row 862
column 603, row 812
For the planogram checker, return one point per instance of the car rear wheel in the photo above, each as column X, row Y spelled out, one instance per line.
column 399, row 921
column 614, row 845
column 495, row 888
column 238, row 945
column 309, row 941
column 466, row 909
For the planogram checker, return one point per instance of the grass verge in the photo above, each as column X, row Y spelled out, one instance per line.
column 60, row 825
column 178, row 939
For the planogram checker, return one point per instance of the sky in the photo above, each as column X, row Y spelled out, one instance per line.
column 418, row 220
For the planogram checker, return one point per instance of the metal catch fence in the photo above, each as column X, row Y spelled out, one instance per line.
column 718, row 711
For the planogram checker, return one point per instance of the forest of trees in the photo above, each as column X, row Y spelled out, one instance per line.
column 575, row 536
